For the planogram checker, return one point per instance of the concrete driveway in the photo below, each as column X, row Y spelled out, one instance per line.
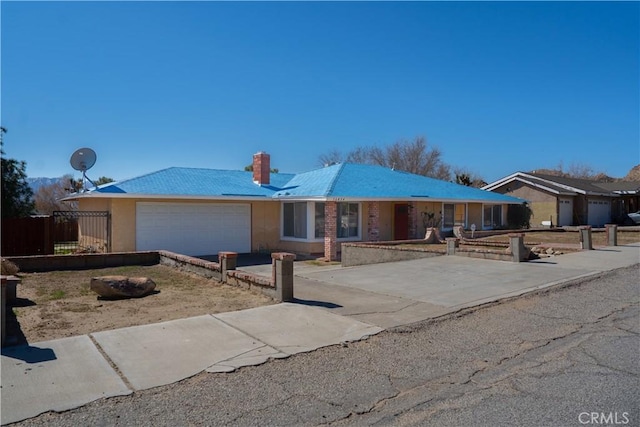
column 397, row 293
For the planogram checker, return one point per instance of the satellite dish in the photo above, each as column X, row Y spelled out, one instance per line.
column 82, row 160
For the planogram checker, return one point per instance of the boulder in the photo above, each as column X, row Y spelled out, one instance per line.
column 122, row 286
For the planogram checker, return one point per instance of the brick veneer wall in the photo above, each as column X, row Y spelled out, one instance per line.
column 373, row 222
column 330, row 231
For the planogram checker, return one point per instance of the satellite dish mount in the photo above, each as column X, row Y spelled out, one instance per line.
column 82, row 160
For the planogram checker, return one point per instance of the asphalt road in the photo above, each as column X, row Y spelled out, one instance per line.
column 563, row 357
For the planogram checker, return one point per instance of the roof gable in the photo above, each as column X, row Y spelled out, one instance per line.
column 577, row 184
column 555, row 184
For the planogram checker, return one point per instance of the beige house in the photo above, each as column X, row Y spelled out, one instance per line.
column 204, row 211
column 564, row 201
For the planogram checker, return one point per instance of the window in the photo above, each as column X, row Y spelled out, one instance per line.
column 295, row 220
column 492, row 216
column 347, row 220
column 454, row 214
column 306, row 220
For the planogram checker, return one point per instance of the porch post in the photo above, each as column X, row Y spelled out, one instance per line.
column 373, row 222
column 330, row 231
column 413, row 220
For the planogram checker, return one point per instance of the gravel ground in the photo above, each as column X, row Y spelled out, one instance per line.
column 543, row 359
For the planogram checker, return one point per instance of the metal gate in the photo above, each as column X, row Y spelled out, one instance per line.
column 81, row 232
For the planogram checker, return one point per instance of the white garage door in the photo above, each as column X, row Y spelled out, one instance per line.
column 599, row 212
column 193, row 228
column 565, row 214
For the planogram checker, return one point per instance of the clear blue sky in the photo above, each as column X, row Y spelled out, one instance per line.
column 497, row 86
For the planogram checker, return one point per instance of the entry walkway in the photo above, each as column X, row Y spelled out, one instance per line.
column 333, row 305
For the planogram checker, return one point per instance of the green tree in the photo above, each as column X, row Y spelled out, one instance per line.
column 413, row 156
column 17, row 196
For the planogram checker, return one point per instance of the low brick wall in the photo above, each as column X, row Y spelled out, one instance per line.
column 363, row 253
column 494, row 254
column 208, row 269
column 253, row 282
column 42, row 263
column 380, row 252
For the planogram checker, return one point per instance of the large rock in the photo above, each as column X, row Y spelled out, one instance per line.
column 122, row 286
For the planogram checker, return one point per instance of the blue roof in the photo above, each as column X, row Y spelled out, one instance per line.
column 347, row 180
column 197, row 182
column 355, row 181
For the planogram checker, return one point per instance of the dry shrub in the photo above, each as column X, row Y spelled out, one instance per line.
column 9, row 268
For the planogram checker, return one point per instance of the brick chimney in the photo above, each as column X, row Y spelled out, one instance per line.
column 261, row 168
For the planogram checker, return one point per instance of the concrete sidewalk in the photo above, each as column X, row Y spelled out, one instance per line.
column 333, row 305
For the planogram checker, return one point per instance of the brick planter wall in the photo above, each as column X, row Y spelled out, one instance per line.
column 208, row 269
column 252, row 282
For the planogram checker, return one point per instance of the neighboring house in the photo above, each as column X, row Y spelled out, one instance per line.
column 203, row 211
column 570, row 201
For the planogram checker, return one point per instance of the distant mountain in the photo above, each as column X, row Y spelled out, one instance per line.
column 36, row 183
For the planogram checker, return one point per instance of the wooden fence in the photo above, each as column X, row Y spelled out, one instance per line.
column 27, row 236
column 65, row 231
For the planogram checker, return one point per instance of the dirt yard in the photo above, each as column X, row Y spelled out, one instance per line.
column 61, row 304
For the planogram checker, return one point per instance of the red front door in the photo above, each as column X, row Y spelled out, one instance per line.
column 401, row 222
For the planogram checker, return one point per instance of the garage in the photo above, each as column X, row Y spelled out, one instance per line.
column 599, row 212
column 193, row 228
